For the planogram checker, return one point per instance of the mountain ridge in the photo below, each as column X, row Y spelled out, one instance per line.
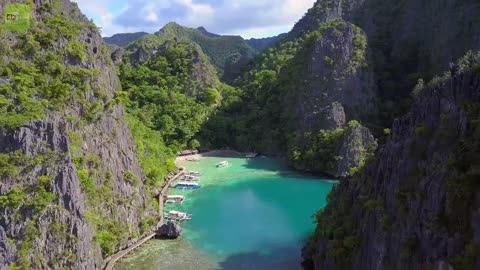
column 123, row 39
column 229, row 53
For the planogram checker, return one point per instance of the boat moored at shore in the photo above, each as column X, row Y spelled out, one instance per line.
column 190, row 178
column 174, row 199
column 177, row 215
column 187, row 185
column 223, row 164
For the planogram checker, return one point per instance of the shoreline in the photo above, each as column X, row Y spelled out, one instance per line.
column 237, row 154
column 213, row 153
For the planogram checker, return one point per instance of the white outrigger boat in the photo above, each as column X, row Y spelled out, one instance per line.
column 187, row 185
column 251, row 155
column 223, row 164
column 177, row 215
column 174, row 199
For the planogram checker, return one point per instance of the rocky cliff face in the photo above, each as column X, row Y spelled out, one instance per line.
column 337, row 86
column 416, row 205
column 71, row 187
column 403, row 210
column 392, row 45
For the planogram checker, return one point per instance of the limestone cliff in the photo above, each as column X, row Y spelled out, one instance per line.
column 391, row 44
column 71, row 189
column 336, row 86
column 416, row 205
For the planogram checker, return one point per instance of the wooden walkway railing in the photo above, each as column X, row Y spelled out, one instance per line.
column 117, row 256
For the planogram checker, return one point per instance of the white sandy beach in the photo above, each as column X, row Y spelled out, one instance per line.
column 213, row 153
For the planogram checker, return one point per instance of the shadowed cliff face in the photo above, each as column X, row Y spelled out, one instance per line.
column 403, row 211
column 337, row 86
column 74, row 187
column 417, row 205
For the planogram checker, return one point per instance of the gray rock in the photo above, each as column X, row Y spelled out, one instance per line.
column 117, row 55
column 333, row 117
column 337, row 86
column 170, row 230
column 357, row 144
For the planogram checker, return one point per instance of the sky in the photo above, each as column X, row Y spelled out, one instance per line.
column 248, row 18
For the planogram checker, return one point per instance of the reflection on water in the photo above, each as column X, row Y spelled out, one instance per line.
column 255, row 214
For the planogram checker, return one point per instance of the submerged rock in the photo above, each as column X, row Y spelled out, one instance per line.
column 170, row 230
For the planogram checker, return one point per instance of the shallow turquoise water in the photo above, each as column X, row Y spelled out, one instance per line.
column 255, row 214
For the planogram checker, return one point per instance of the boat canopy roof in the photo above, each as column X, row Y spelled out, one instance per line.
column 188, row 184
column 175, row 197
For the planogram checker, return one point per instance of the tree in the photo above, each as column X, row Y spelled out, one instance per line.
column 194, row 144
column 212, row 97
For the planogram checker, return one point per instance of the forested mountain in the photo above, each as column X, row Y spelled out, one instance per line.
column 262, row 44
column 229, row 54
column 383, row 94
column 124, row 39
column 169, row 93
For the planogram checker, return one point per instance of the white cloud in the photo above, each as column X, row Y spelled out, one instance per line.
column 249, row 18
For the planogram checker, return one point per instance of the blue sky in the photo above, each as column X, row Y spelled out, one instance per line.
column 248, row 18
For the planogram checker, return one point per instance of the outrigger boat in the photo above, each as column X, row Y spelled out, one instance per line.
column 223, row 164
column 193, row 159
column 187, row 185
column 190, row 178
column 177, row 215
column 174, row 199
column 194, row 173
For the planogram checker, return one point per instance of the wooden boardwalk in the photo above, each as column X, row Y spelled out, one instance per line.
column 140, row 242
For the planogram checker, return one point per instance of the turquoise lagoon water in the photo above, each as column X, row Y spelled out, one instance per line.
column 255, row 214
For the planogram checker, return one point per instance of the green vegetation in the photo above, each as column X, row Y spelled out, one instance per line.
column 261, row 116
column 109, row 233
column 371, row 205
column 360, row 46
column 336, row 227
column 423, row 131
column 155, row 158
column 167, row 106
column 13, row 199
column 76, row 49
column 321, row 154
column 34, row 80
column 20, row 17
column 219, row 49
